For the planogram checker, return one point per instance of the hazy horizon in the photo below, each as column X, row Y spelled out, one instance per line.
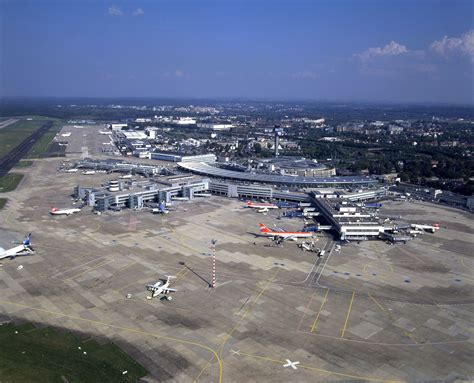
column 405, row 52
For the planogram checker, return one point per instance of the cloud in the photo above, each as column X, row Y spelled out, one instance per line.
column 391, row 49
column 115, row 11
column 463, row 44
column 138, row 12
column 304, row 75
column 392, row 60
column 175, row 73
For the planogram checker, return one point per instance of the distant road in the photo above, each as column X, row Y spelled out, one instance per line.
column 10, row 159
column 4, row 124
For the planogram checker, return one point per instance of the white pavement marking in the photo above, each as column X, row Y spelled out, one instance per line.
column 291, row 364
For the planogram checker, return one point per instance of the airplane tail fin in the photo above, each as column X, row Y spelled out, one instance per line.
column 26, row 241
column 168, row 277
column 53, row 209
column 263, row 228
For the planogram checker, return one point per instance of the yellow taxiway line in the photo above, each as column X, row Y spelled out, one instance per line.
column 343, row 330
column 313, row 327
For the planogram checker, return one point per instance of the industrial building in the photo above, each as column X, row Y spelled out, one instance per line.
column 214, row 126
column 179, row 157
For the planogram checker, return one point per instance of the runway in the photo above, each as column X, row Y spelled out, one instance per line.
column 8, row 161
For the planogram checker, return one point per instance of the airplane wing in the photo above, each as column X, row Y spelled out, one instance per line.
column 170, row 290
column 279, row 229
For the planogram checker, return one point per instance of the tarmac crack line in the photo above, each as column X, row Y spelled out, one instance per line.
column 392, row 319
column 243, row 316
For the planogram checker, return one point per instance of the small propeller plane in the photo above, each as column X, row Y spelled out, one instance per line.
column 161, row 287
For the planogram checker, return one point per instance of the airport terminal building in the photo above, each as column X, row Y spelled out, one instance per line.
column 347, row 220
column 206, row 169
column 103, row 199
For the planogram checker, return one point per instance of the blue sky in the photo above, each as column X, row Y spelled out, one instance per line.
column 414, row 51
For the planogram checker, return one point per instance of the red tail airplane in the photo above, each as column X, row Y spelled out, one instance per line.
column 286, row 235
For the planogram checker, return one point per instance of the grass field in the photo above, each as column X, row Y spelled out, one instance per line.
column 30, row 354
column 3, row 202
column 10, row 182
column 24, row 164
column 41, row 146
column 13, row 134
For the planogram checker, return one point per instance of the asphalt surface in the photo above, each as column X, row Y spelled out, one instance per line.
column 8, row 161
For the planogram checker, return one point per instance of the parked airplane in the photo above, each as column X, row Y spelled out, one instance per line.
column 23, row 249
column 161, row 209
column 56, row 211
column 431, row 228
column 262, row 207
column 88, row 172
column 73, row 170
column 285, row 235
column 180, row 198
column 161, row 287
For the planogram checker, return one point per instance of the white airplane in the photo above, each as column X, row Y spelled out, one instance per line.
column 431, row 228
column 291, row 364
column 23, row 249
column 73, row 170
column 262, row 207
column 284, row 235
column 161, row 287
column 180, row 198
column 56, row 211
column 161, row 209
column 88, row 172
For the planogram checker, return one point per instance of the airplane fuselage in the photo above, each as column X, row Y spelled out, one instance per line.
column 64, row 211
column 261, row 206
column 284, row 234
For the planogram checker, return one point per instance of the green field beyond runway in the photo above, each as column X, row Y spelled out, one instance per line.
column 30, row 354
